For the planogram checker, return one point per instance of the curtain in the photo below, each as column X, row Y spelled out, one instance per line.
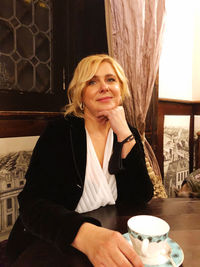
column 134, row 33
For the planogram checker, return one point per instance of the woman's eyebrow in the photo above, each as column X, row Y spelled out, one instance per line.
column 109, row 74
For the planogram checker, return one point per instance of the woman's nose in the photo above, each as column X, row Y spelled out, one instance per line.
column 103, row 86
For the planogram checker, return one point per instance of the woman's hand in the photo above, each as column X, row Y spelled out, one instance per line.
column 105, row 247
column 117, row 121
column 119, row 125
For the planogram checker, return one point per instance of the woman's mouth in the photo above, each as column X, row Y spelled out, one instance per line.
column 104, row 99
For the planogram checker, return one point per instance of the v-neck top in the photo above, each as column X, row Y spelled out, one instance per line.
column 100, row 186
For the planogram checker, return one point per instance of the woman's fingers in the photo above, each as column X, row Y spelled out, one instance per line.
column 117, row 121
column 116, row 252
column 105, row 247
column 130, row 254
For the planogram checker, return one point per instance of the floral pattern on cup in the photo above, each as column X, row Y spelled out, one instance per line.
column 156, row 239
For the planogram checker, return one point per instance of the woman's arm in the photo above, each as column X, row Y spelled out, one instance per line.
column 128, row 164
column 120, row 127
column 134, row 183
column 50, row 195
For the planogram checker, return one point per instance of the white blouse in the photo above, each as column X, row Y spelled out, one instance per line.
column 100, row 186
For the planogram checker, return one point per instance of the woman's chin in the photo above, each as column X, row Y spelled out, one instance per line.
column 107, row 106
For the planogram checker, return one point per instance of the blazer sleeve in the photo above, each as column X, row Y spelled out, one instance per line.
column 133, row 181
column 48, row 198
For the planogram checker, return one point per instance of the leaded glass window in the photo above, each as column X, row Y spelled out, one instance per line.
column 25, row 46
column 41, row 41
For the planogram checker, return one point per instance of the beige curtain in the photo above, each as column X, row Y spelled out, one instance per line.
column 134, row 31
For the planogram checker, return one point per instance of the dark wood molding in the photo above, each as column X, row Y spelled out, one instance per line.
column 16, row 123
column 196, row 108
column 5, row 115
column 193, row 102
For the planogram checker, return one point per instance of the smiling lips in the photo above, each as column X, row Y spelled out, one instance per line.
column 104, row 99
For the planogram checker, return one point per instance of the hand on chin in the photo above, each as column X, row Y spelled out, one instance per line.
column 103, row 115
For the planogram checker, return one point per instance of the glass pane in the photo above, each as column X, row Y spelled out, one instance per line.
column 6, row 9
column 6, row 37
column 24, row 42
column 7, row 73
column 42, row 47
column 25, row 75
column 24, row 11
column 42, row 16
column 42, row 72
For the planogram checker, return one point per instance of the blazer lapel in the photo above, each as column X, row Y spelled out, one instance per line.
column 79, row 148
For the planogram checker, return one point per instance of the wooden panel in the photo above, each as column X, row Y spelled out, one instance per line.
column 85, row 32
column 15, row 124
column 196, row 108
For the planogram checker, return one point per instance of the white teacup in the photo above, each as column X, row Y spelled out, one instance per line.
column 149, row 235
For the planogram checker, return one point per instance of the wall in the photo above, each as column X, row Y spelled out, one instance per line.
column 180, row 58
column 196, row 54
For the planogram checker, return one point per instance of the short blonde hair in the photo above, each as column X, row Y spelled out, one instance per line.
column 84, row 71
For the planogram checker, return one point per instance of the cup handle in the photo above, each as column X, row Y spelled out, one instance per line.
column 145, row 244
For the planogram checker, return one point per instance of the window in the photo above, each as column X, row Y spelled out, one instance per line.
column 9, row 219
column 21, row 182
column 9, row 203
column 41, row 41
column 26, row 55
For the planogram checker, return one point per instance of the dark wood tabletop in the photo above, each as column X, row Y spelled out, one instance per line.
column 182, row 214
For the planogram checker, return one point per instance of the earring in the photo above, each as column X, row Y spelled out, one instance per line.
column 121, row 102
column 82, row 106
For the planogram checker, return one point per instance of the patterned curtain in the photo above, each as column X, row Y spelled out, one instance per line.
column 134, row 32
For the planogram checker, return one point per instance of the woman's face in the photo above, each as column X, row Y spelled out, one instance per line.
column 103, row 91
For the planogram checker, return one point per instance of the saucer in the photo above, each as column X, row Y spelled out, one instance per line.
column 177, row 253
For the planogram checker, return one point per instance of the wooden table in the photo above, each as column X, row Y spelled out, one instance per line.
column 183, row 216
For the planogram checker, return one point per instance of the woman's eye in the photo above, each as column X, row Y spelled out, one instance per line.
column 111, row 79
column 91, row 82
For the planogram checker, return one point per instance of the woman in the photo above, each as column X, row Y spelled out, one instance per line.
column 71, row 171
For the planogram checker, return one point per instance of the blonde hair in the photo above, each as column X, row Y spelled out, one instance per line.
column 84, row 71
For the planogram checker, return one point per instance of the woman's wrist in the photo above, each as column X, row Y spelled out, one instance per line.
column 81, row 240
column 127, row 148
column 127, row 139
column 122, row 136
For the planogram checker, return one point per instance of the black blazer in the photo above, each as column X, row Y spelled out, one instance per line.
column 55, row 181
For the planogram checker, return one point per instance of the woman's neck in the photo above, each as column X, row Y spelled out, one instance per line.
column 95, row 125
column 98, row 131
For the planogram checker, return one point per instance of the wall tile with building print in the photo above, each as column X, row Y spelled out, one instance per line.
column 15, row 154
column 176, row 152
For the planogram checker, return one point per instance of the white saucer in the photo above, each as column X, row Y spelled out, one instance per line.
column 177, row 253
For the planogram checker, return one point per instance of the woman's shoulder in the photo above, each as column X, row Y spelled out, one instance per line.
column 65, row 122
column 59, row 127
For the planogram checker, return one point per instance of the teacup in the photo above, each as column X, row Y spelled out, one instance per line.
column 149, row 235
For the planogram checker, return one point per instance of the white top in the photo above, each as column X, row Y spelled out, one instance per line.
column 100, row 186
